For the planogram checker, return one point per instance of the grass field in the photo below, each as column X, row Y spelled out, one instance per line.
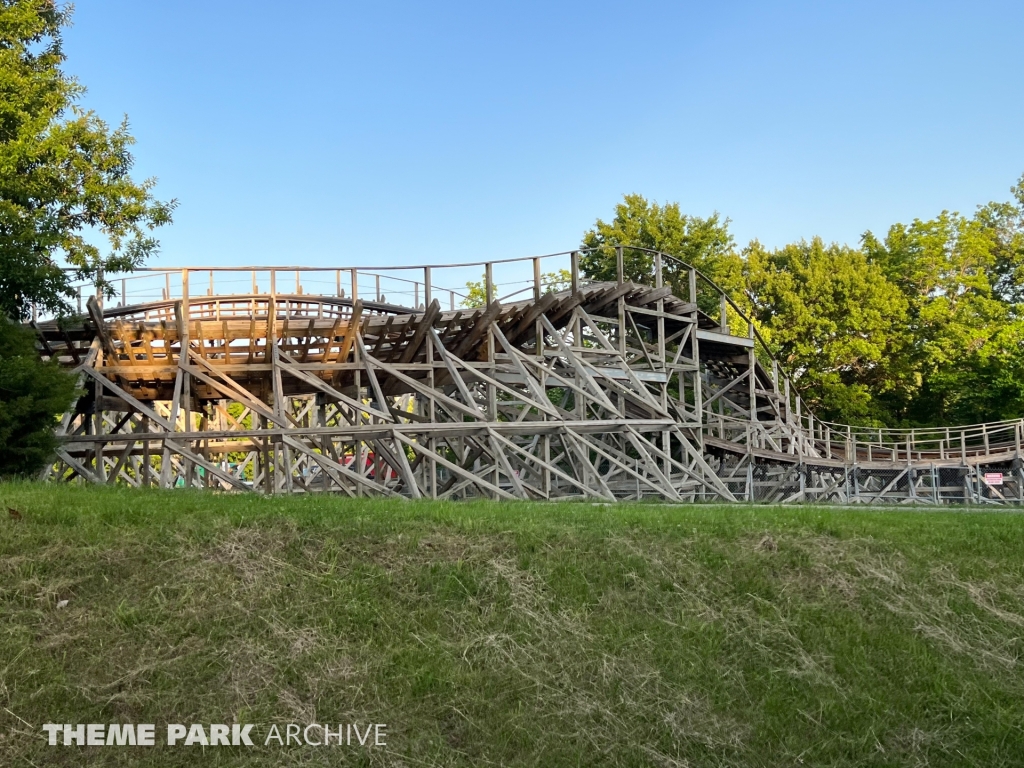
column 512, row 634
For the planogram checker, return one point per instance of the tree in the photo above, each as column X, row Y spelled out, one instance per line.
column 556, row 282
column 836, row 324
column 31, row 392
column 1004, row 223
column 476, row 293
column 704, row 243
column 961, row 278
column 64, row 174
column 923, row 327
column 551, row 282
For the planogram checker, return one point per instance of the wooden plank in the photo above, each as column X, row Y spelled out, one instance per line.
column 564, row 307
column 426, row 322
column 334, row 336
column 652, row 295
column 484, row 485
column 42, row 339
column 403, row 465
column 126, row 342
column 71, row 347
column 289, row 367
column 351, row 332
column 480, row 327
column 96, row 315
column 383, row 335
column 613, row 295
column 529, row 318
column 405, row 328
column 308, row 340
column 416, row 386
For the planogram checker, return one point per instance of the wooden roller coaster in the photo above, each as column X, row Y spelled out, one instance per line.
column 570, row 388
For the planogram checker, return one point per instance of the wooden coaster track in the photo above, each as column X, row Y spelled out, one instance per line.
column 606, row 390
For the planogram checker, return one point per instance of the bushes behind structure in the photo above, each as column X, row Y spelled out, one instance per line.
column 32, row 393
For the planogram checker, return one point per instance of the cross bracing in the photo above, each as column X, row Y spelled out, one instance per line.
column 602, row 390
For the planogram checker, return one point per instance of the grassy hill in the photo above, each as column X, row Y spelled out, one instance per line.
column 512, row 634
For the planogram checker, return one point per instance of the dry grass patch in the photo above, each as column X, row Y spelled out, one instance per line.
column 515, row 634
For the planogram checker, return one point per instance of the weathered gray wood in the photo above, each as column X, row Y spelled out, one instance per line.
column 603, row 414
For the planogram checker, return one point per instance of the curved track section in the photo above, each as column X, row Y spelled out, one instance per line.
column 603, row 390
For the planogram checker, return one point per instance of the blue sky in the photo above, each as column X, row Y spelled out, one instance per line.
column 399, row 133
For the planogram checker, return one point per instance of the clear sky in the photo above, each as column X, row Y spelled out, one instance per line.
column 333, row 133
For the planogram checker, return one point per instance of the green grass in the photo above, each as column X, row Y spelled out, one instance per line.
column 513, row 634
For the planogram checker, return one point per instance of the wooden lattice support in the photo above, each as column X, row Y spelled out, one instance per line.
column 607, row 391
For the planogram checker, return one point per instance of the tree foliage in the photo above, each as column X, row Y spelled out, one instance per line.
column 703, row 243
column 833, row 321
column 961, row 277
column 64, row 174
column 476, row 293
column 922, row 326
column 556, row 282
column 31, row 392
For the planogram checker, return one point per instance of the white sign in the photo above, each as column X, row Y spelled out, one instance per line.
column 994, row 478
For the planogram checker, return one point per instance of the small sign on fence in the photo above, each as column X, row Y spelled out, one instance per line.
column 994, row 478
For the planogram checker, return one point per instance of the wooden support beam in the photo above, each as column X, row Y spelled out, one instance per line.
column 479, row 330
column 96, row 315
column 351, row 331
column 630, row 418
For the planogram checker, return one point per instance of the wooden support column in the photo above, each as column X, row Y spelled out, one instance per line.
column 146, row 472
column 752, row 389
column 281, row 405
column 698, row 382
column 492, row 393
column 575, row 266
column 184, row 335
column 620, row 278
column 538, row 329
column 99, row 429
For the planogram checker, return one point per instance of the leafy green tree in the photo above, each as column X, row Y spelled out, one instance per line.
column 476, row 293
column 835, row 323
column 925, row 326
column 551, row 282
column 1004, row 222
column 704, row 243
column 64, row 174
column 961, row 279
column 556, row 282
column 31, row 392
